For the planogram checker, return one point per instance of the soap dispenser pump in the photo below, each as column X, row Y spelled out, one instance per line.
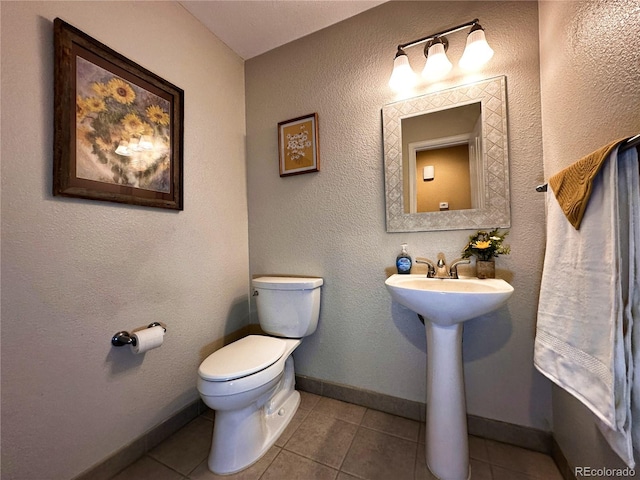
column 403, row 261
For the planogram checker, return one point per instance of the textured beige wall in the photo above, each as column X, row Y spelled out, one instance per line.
column 331, row 223
column 590, row 73
column 74, row 272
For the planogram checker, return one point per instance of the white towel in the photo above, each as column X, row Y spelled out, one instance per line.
column 587, row 297
column 627, row 432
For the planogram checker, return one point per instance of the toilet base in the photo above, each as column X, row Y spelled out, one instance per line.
column 241, row 437
column 231, row 455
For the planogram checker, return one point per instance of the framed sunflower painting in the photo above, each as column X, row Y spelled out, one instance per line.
column 298, row 145
column 118, row 128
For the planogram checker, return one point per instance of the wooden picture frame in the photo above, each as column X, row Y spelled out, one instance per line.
column 118, row 128
column 298, row 145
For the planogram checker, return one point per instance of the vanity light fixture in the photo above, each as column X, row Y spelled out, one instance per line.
column 477, row 52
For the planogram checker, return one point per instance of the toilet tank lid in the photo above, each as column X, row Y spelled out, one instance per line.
column 287, row 283
column 241, row 358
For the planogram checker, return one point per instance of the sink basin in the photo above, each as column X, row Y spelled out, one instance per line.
column 447, row 301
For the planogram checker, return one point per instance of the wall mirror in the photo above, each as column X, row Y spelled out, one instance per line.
column 446, row 159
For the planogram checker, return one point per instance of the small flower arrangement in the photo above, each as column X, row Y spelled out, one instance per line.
column 486, row 245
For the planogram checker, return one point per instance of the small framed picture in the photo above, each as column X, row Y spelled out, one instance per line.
column 298, row 145
column 118, row 128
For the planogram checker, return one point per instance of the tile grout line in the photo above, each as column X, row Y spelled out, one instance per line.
column 359, row 424
column 302, row 456
column 168, row 466
column 417, row 441
column 284, row 446
column 353, row 439
column 271, row 462
column 339, row 469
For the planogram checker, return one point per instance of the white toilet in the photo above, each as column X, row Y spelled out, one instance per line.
column 250, row 382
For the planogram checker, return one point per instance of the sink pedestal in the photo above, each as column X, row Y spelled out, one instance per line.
column 447, row 444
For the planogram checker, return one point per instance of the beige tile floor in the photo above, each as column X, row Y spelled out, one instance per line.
column 333, row 440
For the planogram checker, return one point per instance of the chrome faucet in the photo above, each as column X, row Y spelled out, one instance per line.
column 453, row 269
column 439, row 269
column 431, row 267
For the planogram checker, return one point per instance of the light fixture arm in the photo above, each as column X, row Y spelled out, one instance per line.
column 472, row 23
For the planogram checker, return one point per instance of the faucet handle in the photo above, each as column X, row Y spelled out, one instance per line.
column 431, row 268
column 453, row 269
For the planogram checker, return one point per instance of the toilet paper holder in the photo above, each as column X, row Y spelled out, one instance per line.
column 123, row 338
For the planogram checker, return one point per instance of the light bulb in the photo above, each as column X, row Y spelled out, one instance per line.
column 402, row 76
column 477, row 52
column 438, row 65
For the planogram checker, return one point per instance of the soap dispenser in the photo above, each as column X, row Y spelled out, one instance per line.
column 403, row 261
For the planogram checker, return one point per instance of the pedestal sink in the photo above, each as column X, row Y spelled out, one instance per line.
column 445, row 304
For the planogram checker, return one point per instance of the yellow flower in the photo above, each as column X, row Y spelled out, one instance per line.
column 146, row 129
column 157, row 115
column 121, row 91
column 95, row 104
column 132, row 124
column 101, row 89
column 486, row 245
column 81, row 108
column 102, row 145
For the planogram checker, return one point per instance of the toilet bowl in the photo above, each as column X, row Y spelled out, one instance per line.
column 250, row 383
column 254, row 409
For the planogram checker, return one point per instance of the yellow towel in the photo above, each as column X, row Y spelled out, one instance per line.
column 572, row 186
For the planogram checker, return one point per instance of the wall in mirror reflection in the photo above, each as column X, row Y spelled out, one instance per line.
column 449, row 140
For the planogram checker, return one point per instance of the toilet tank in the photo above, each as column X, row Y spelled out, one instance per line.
column 288, row 306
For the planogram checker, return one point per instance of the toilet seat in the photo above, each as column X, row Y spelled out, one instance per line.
column 242, row 358
column 257, row 379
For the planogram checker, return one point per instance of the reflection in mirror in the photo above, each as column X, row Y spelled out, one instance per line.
column 449, row 141
column 446, row 159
